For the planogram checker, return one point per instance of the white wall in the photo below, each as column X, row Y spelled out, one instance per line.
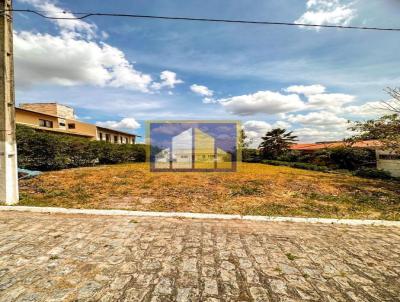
column 390, row 165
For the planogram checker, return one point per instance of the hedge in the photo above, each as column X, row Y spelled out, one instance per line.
column 372, row 173
column 45, row 151
column 305, row 166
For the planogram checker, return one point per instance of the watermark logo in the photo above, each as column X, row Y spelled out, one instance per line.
column 184, row 146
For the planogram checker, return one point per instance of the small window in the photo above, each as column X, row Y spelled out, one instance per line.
column 62, row 124
column 71, row 126
column 101, row 136
column 45, row 123
column 108, row 138
column 389, row 156
column 115, row 139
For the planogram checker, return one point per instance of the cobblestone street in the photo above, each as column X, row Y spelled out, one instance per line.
column 106, row 258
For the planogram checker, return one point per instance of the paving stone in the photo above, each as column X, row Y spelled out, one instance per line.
column 88, row 290
column 259, row 294
column 210, row 287
column 164, row 287
column 278, row 287
column 100, row 258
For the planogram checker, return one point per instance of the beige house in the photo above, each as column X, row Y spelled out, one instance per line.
column 57, row 118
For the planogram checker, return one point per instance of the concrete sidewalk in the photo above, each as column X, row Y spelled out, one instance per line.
column 59, row 257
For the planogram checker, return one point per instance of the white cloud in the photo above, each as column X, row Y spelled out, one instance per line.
column 282, row 125
column 73, row 57
column 329, row 101
column 321, row 118
column 201, row 90
column 205, row 92
column 256, row 129
column 208, row 100
column 369, row 109
column 168, row 79
column 67, row 61
column 126, row 123
column 322, row 133
column 327, row 12
column 320, row 126
column 262, row 102
column 306, row 90
column 67, row 27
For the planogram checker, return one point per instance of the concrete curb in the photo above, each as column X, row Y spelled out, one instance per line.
column 199, row 216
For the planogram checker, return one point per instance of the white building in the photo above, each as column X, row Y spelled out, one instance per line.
column 182, row 150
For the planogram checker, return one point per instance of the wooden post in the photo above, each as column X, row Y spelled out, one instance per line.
column 8, row 147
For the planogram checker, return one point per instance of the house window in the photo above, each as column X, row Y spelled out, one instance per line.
column 115, row 139
column 45, row 123
column 101, row 136
column 389, row 156
column 61, row 124
column 71, row 126
column 108, row 138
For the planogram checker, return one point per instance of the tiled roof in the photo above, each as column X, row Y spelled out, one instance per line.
column 317, row 146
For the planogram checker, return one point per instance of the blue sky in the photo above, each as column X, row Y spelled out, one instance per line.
column 121, row 72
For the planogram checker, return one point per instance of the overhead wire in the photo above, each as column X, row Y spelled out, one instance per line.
column 84, row 15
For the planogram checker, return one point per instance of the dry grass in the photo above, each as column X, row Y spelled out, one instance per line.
column 257, row 189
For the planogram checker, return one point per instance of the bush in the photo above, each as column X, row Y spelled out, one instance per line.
column 290, row 156
column 372, row 173
column 45, row 151
column 250, row 155
column 345, row 158
column 352, row 158
column 305, row 166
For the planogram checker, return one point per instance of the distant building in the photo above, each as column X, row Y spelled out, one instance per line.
column 385, row 159
column 57, row 118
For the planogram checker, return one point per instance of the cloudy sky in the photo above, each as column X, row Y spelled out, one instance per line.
column 120, row 72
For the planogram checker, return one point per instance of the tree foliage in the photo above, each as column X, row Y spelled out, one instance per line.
column 276, row 142
column 386, row 129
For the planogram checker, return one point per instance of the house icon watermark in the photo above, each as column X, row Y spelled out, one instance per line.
column 182, row 146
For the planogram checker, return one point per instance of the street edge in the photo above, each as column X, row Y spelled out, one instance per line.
column 57, row 210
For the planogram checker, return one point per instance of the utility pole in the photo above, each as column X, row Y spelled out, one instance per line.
column 8, row 146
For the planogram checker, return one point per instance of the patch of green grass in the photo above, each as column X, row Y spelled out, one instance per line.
column 291, row 257
column 246, row 189
column 80, row 193
column 278, row 269
column 54, row 257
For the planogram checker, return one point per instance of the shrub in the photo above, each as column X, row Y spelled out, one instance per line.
column 337, row 158
column 352, row 158
column 290, row 156
column 250, row 155
column 44, row 151
column 372, row 173
column 305, row 166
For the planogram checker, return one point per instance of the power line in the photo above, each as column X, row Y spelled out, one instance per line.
column 87, row 15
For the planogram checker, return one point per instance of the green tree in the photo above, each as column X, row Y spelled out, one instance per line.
column 243, row 141
column 276, row 142
column 386, row 129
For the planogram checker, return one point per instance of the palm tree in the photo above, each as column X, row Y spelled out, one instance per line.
column 276, row 142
